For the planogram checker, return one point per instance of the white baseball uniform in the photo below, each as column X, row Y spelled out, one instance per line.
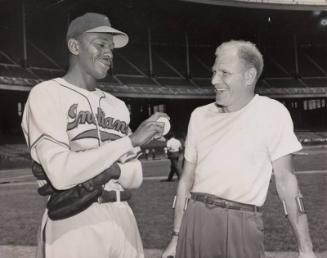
column 75, row 134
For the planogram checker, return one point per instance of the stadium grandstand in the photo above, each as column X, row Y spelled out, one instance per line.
column 167, row 64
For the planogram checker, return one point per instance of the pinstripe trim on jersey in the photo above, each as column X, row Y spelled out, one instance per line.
column 26, row 132
column 50, row 138
column 62, row 85
column 27, row 138
column 97, row 122
column 105, row 136
column 102, row 97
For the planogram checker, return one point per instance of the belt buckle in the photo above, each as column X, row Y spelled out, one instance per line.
column 207, row 201
column 232, row 206
column 226, row 204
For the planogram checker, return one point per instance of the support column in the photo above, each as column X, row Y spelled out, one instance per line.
column 24, row 35
column 187, row 50
column 296, row 57
column 150, row 53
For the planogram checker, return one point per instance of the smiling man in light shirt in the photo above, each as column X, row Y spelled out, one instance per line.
column 233, row 147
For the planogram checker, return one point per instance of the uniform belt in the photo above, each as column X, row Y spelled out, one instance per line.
column 220, row 202
column 114, row 196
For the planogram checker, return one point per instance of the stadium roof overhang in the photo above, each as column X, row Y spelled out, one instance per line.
column 169, row 92
column 301, row 5
column 151, row 27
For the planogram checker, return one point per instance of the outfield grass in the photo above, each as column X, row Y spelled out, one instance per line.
column 152, row 207
column 21, row 210
column 310, row 162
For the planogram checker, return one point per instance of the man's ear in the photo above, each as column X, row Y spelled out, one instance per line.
column 250, row 76
column 73, row 46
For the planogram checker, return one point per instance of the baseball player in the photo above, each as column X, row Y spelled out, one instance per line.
column 76, row 131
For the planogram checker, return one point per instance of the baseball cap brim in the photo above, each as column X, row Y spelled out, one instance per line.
column 120, row 38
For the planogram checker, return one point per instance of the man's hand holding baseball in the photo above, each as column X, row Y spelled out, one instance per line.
column 148, row 130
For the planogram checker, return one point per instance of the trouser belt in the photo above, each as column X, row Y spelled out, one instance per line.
column 114, row 196
column 223, row 203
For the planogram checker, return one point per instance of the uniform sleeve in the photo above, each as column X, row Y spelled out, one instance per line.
column 190, row 143
column 282, row 139
column 43, row 118
column 44, row 125
column 130, row 174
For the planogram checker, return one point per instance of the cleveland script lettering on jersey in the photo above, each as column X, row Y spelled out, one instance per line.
column 81, row 119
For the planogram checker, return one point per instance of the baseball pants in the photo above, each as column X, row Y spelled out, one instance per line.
column 102, row 231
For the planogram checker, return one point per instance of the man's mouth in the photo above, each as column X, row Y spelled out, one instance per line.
column 106, row 61
column 220, row 90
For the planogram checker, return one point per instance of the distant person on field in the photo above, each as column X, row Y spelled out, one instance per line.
column 174, row 147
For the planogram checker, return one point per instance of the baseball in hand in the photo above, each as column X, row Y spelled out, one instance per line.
column 166, row 124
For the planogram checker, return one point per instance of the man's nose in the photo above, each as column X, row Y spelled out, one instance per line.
column 108, row 51
column 215, row 79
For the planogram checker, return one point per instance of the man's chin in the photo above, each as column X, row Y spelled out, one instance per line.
column 102, row 71
column 219, row 105
column 101, row 76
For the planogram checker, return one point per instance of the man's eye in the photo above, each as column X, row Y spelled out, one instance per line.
column 100, row 44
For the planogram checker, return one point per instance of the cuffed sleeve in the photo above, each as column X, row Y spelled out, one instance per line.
column 66, row 168
column 131, row 175
column 134, row 153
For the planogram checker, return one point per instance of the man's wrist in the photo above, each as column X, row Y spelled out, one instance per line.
column 305, row 245
column 135, row 153
column 305, row 249
column 132, row 141
column 175, row 234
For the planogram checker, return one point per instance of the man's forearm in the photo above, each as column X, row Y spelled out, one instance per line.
column 184, row 187
column 288, row 191
column 182, row 193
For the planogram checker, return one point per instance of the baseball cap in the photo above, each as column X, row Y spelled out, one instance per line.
column 95, row 22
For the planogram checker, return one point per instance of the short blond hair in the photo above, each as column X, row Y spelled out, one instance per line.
column 246, row 51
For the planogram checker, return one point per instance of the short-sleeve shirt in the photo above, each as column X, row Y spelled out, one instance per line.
column 233, row 152
column 173, row 145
